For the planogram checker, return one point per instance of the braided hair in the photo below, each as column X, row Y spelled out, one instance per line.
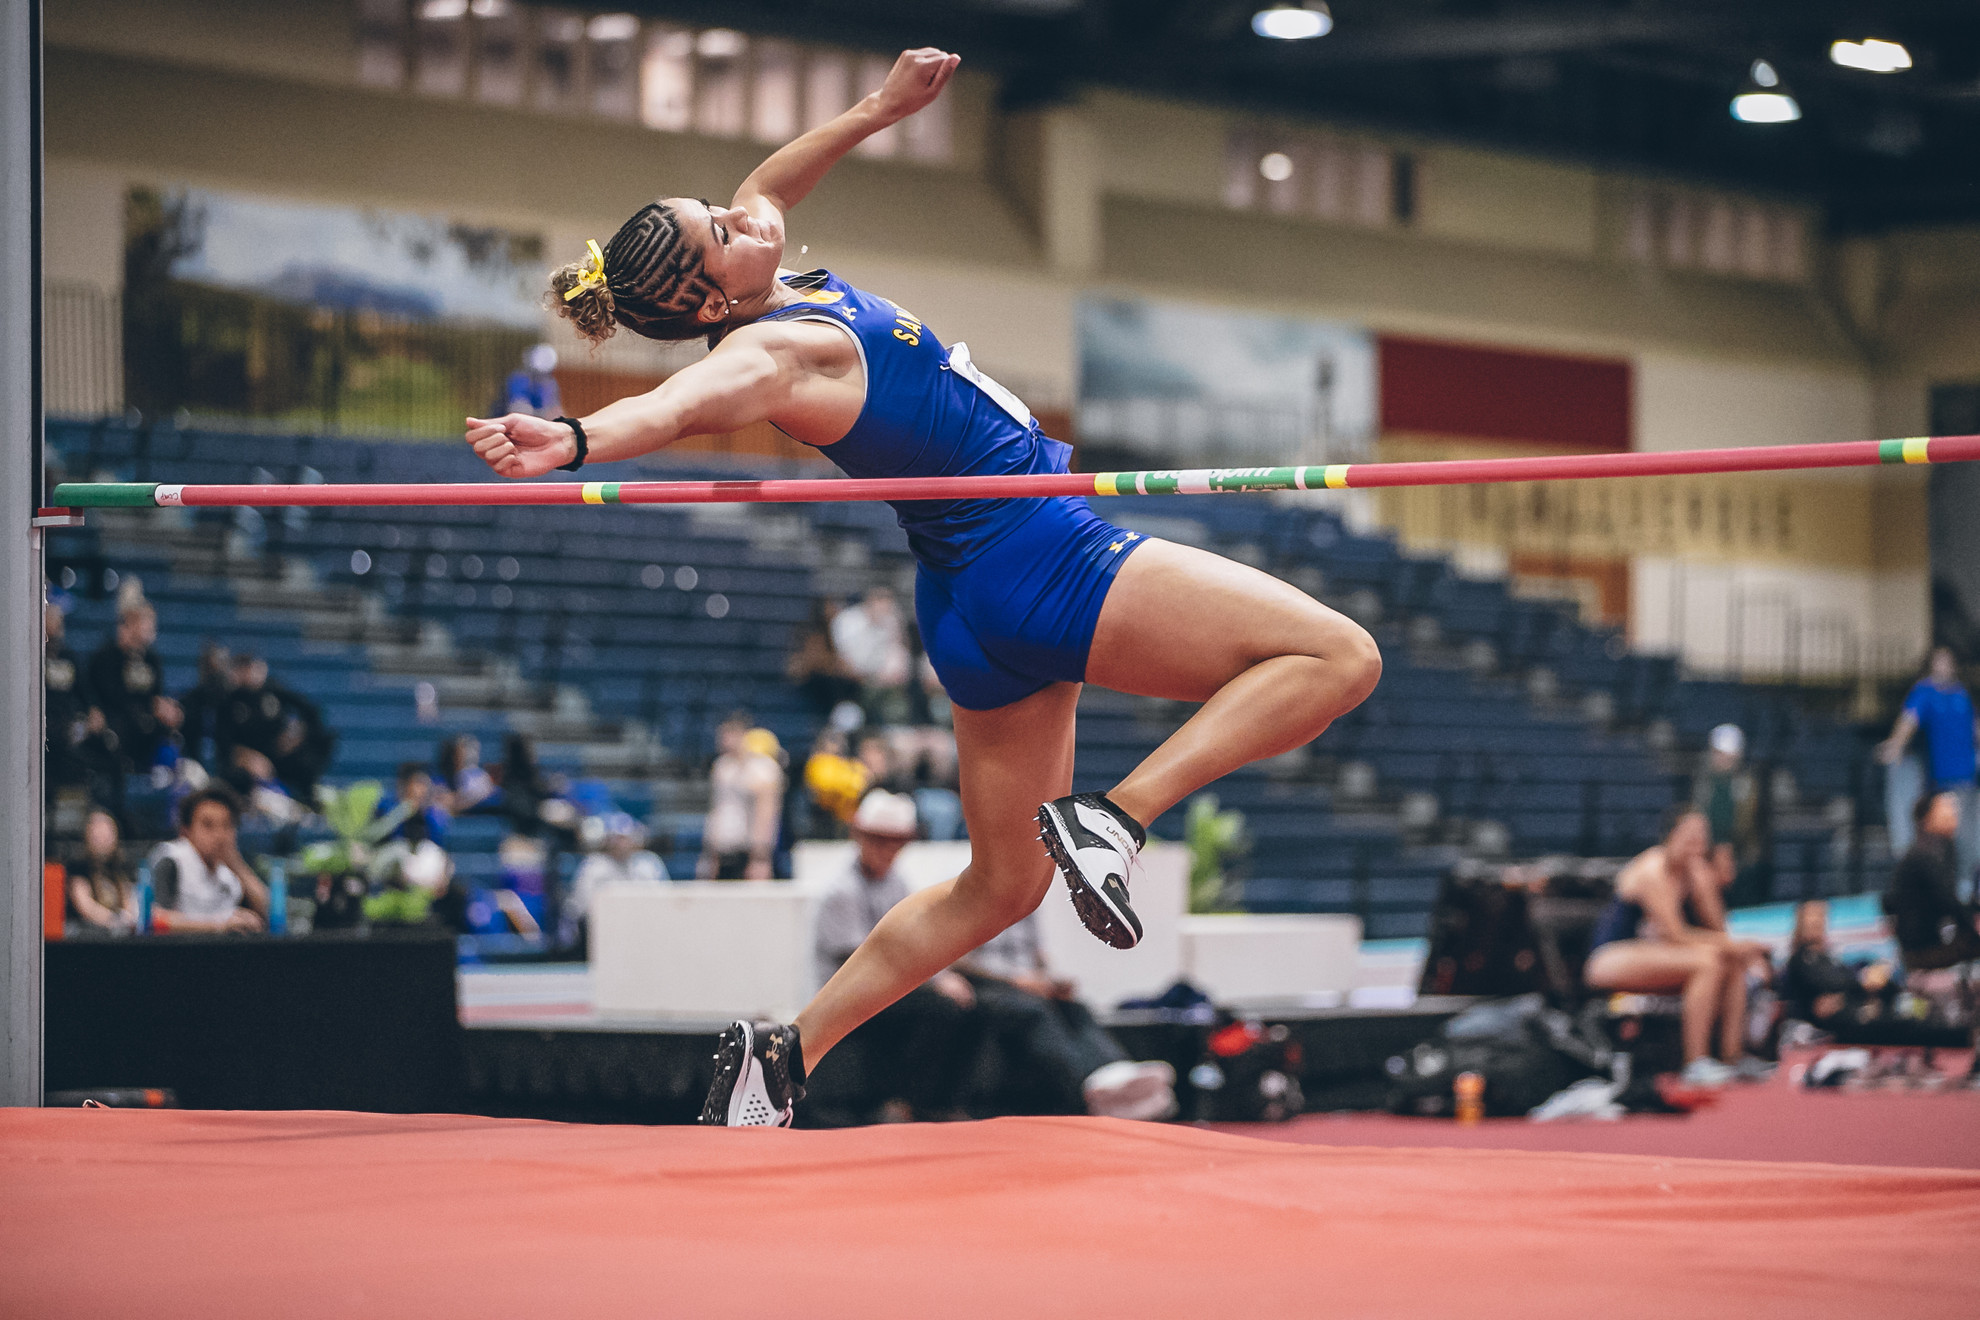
column 654, row 284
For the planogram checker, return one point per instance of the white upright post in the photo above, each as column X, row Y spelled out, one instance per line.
column 20, row 553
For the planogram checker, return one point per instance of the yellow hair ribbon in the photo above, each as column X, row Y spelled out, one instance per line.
column 592, row 276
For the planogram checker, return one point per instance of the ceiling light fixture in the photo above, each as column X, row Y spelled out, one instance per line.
column 1871, row 55
column 1765, row 98
column 1289, row 22
column 1275, row 166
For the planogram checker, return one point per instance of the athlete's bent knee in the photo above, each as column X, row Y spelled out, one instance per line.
column 1001, row 902
column 1359, row 653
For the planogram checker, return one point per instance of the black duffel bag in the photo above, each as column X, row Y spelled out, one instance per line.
column 1523, row 1049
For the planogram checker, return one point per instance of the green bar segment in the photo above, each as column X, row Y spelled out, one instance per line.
column 105, row 495
column 1890, row 451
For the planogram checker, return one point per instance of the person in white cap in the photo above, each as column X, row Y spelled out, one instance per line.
column 1728, row 796
column 915, row 1047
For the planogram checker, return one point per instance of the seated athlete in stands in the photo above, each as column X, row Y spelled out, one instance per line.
column 1649, row 941
column 1820, row 989
column 202, row 883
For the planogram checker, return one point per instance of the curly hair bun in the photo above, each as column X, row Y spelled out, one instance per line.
column 590, row 312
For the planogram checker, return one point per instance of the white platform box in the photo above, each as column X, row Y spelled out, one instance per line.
column 1240, row 958
column 1105, row 975
column 702, row 949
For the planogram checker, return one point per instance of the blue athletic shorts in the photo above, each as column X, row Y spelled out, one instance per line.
column 1021, row 614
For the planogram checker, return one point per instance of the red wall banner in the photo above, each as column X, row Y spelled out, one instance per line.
column 1461, row 390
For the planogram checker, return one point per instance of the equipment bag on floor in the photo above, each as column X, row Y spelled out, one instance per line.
column 1523, row 1049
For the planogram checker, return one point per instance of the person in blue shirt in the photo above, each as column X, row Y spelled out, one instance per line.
column 1939, row 707
column 532, row 387
column 1019, row 602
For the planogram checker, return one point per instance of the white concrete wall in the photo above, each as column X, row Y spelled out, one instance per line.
column 1692, row 402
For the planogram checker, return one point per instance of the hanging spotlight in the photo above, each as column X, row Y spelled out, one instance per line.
column 1764, row 99
column 1290, row 22
column 1871, row 55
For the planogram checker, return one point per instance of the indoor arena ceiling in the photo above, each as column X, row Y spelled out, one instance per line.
column 1642, row 83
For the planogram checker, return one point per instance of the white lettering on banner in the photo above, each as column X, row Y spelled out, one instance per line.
column 959, row 362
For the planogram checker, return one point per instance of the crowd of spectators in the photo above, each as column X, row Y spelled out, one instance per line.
column 110, row 718
column 887, row 723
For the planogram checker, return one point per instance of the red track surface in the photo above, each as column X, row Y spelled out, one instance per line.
column 161, row 1214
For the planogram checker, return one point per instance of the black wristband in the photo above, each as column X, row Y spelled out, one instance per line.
column 583, row 446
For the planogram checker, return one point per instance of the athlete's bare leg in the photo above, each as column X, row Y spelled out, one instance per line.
column 1698, row 971
column 1011, row 759
column 1272, row 666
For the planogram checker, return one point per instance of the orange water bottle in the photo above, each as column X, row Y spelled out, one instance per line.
column 54, row 899
column 1468, row 1091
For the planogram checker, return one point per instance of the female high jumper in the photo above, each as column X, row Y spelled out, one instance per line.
column 1019, row 601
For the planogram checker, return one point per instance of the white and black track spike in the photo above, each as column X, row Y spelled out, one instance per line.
column 1093, row 843
column 759, row 1077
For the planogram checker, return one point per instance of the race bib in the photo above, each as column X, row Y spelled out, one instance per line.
column 960, row 364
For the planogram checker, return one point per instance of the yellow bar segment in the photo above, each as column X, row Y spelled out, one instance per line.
column 1914, row 449
column 1337, row 476
column 1103, row 483
column 594, row 492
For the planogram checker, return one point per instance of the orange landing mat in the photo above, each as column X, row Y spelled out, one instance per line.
column 214, row 1215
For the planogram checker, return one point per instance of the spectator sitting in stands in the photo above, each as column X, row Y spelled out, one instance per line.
column 1725, row 792
column 126, row 685
column 621, row 855
column 77, row 757
column 102, row 891
column 252, row 777
column 917, row 1045
column 460, row 785
column 835, row 781
column 1934, row 928
column 283, row 725
column 872, row 639
column 1055, row 1058
column 530, row 799
column 204, row 706
column 815, row 667
column 1818, row 989
column 1940, row 706
column 745, row 804
column 929, row 752
column 1650, row 940
column 413, row 795
column 200, row 880
column 532, row 387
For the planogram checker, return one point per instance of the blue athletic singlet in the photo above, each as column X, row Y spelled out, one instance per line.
column 1007, row 591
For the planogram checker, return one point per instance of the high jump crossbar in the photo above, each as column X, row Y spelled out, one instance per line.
column 1199, row 481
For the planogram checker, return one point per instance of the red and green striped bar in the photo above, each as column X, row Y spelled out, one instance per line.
column 1199, row 481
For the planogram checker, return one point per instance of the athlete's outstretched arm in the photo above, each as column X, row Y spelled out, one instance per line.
column 788, row 177
column 744, row 381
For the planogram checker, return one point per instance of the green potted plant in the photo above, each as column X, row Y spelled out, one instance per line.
column 1213, row 837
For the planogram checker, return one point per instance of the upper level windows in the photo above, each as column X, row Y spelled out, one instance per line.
column 714, row 81
column 1687, row 229
column 1318, row 175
